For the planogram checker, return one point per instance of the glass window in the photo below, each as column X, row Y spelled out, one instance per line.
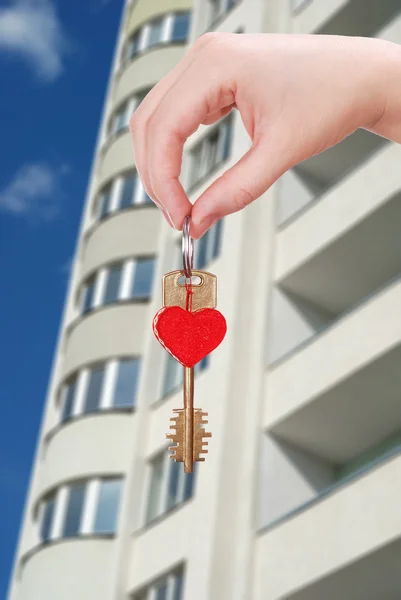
column 88, row 295
column 112, row 291
column 208, row 246
column 47, row 518
column 161, row 591
column 128, row 190
column 202, row 365
column 155, row 488
column 120, row 120
column 211, row 151
column 175, row 474
column 143, row 278
column 155, row 34
column 69, row 396
column 105, row 201
column 189, row 484
column 178, row 586
column 133, row 46
column 127, row 382
column 75, row 504
column 108, row 505
column 173, row 375
column 94, row 390
column 181, row 26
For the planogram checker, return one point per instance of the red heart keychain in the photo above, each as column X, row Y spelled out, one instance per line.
column 189, row 336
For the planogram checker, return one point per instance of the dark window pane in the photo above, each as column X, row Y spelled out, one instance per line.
column 127, row 382
column 107, row 508
column 173, row 375
column 69, row 396
column 104, row 202
column 75, row 504
column 47, row 519
column 161, row 591
column 94, row 390
column 148, row 199
column 128, row 190
column 189, row 483
column 173, row 483
column 202, row 365
column 120, row 120
column 113, row 284
column 133, row 45
column 88, row 295
column 201, row 253
column 181, row 27
column 217, row 239
column 155, row 34
column 228, row 130
column 178, row 586
column 155, row 488
column 143, row 278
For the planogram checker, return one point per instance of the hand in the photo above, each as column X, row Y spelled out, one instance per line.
column 297, row 95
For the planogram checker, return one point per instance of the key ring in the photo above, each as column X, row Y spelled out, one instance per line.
column 187, row 249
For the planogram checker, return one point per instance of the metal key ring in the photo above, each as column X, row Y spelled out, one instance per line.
column 187, row 249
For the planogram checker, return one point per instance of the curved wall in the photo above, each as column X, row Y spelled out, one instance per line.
column 126, row 233
column 117, row 158
column 69, row 570
column 86, row 447
column 110, row 331
column 146, row 70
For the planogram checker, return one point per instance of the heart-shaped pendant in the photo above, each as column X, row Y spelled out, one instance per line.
column 189, row 336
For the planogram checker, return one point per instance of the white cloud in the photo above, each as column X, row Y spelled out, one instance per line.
column 33, row 192
column 31, row 30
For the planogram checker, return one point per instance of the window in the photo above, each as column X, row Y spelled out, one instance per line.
column 208, row 247
column 169, row 486
column 181, row 26
column 133, row 46
column 211, row 152
column 155, row 33
column 128, row 190
column 120, row 119
column 167, row 587
column 88, row 295
column 109, row 385
column 113, row 284
column 126, row 383
column 143, row 278
column 105, row 201
column 122, row 281
column 107, row 506
column 47, row 518
column 75, row 504
column 91, row 508
column 69, row 396
column 217, row 8
column 94, row 390
column 174, row 373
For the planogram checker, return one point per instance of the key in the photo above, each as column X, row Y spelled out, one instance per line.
column 189, row 327
column 188, row 422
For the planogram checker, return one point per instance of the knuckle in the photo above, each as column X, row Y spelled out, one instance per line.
column 242, row 198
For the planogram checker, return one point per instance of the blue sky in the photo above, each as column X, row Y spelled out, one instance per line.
column 55, row 57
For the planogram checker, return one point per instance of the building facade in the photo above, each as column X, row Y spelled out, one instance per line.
column 299, row 496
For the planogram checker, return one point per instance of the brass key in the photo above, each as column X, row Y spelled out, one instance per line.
column 190, row 436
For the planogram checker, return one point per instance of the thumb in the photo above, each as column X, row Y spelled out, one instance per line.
column 240, row 185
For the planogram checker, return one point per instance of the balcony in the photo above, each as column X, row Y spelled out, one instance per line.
column 365, row 513
column 117, row 158
column 340, row 392
column 343, row 17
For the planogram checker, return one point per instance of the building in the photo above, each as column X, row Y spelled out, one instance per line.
column 299, row 496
